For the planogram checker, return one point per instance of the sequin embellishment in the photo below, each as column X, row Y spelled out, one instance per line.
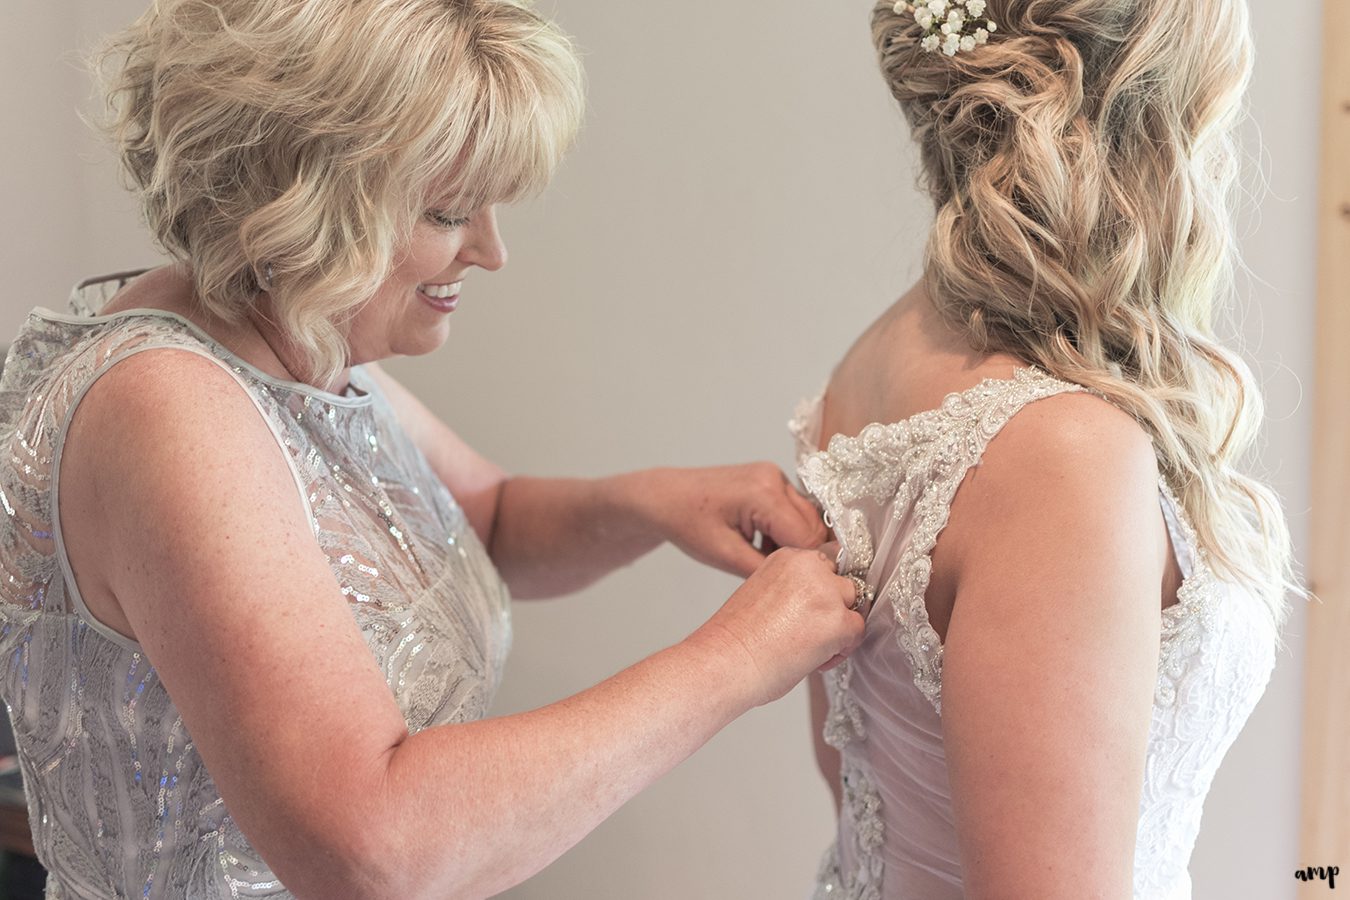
column 125, row 802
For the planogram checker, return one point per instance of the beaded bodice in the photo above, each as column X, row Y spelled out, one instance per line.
column 887, row 493
column 120, row 802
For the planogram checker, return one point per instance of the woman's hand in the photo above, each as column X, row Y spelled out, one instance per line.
column 792, row 616
column 717, row 515
column 551, row 536
column 317, row 768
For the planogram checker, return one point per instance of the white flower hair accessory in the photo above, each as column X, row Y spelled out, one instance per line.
column 949, row 25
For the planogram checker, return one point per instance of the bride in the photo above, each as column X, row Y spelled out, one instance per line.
column 1031, row 461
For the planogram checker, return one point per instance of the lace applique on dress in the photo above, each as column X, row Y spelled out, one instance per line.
column 843, row 720
column 915, row 467
column 862, row 808
column 862, row 805
column 1184, row 622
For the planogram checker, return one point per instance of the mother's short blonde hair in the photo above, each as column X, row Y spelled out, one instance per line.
column 304, row 138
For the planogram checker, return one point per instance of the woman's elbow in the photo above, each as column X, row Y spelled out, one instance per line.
column 355, row 857
column 369, row 859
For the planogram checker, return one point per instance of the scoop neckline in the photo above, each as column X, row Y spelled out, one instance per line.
column 364, row 399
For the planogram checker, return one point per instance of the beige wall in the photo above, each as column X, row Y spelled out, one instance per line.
column 740, row 206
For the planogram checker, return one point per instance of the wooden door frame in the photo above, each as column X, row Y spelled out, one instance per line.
column 1326, row 728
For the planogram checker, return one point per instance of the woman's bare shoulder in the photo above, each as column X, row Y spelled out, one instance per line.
column 164, row 387
column 1066, row 470
column 159, row 445
column 173, row 418
column 1074, row 431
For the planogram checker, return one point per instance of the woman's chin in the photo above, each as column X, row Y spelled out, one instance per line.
column 423, row 341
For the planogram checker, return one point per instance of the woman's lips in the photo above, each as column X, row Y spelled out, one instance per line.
column 441, row 297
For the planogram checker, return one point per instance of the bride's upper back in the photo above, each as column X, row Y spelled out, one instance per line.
column 908, row 363
column 1042, row 503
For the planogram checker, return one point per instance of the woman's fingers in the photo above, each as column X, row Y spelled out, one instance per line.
column 739, row 556
column 808, row 511
column 787, row 618
column 791, row 521
column 775, row 510
column 834, row 661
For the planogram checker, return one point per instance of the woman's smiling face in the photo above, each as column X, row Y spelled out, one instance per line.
column 409, row 314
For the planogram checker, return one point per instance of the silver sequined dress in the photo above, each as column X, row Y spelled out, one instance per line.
column 887, row 493
column 120, row 803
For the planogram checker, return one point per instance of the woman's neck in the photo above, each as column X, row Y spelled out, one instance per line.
column 287, row 354
column 255, row 338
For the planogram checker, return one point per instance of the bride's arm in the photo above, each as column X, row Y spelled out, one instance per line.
column 550, row 536
column 1057, row 546
column 827, row 758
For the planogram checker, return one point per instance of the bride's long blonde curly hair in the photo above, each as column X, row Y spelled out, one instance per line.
column 1082, row 163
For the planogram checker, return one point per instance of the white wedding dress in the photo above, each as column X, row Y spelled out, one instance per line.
column 887, row 493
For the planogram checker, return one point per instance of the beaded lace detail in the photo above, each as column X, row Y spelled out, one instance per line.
column 915, row 466
column 844, row 720
column 862, row 806
column 119, row 800
column 887, row 493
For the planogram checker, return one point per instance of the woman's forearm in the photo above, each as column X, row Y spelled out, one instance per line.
column 485, row 805
column 551, row 536
column 467, row 810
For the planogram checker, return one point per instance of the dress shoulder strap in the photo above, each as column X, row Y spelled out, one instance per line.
column 920, row 459
column 887, row 492
column 51, row 366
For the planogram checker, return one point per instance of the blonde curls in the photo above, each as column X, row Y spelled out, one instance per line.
column 309, row 136
column 1082, row 164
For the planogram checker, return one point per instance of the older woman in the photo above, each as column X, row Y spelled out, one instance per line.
column 255, row 595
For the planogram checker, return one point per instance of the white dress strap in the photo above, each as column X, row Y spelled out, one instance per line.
column 888, row 491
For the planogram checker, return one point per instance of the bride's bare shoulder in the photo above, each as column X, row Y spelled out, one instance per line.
column 1063, row 468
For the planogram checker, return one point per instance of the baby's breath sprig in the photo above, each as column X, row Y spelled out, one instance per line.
column 949, row 25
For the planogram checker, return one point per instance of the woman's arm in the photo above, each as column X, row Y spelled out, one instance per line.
column 827, row 758
column 1056, row 545
column 551, row 536
column 184, row 524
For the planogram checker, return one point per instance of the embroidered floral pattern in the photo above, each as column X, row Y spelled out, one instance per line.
column 862, row 807
column 843, row 722
column 916, row 464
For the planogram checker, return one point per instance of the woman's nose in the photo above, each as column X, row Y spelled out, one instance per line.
column 485, row 247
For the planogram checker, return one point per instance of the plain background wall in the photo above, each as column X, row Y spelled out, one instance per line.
column 741, row 204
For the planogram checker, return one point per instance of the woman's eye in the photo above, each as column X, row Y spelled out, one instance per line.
column 445, row 220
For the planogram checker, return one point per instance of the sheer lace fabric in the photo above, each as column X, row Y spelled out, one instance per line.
column 119, row 801
column 887, row 493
